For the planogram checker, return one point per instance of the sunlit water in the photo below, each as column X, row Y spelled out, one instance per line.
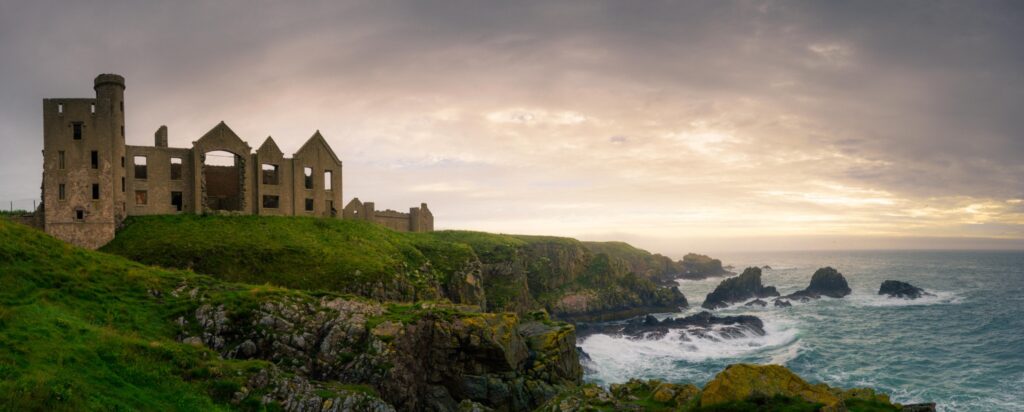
column 962, row 348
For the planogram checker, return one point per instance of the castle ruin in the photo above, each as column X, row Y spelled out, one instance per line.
column 93, row 180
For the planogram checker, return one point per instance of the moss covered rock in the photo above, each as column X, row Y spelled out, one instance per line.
column 741, row 382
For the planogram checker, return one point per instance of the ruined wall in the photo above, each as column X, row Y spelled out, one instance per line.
column 419, row 219
column 281, row 187
column 317, row 156
column 158, row 184
column 91, row 180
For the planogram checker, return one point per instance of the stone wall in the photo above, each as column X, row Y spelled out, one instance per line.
column 419, row 219
column 91, row 181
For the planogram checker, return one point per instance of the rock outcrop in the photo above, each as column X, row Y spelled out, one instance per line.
column 756, row 302
column 417, row 356
column 739, row 289
column 739, row 387
column 825, row 282
column 698, row 324
column 743, row 382
column 904, row 290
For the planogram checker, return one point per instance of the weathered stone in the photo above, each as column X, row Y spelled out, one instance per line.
column 741, row 382
column 738, row 289
column 897, row 289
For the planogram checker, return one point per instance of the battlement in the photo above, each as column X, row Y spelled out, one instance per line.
column 419, row 219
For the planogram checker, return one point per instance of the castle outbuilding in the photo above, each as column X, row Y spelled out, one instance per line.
column 93, row 180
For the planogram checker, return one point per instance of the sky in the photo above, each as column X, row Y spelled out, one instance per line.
column 697, row 126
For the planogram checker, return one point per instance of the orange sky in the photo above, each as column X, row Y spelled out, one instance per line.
column 685, row 127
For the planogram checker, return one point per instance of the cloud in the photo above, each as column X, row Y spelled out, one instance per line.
column 651, row 120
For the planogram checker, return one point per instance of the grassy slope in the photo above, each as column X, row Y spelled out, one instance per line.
column 79, row 330
column 303, row 253
column 347, row 256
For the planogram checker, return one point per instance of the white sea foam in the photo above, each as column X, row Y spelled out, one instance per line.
column 875, row 300
column 618, row 358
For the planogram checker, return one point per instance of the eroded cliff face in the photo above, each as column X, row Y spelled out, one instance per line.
column 416, row 357
column 571, row 282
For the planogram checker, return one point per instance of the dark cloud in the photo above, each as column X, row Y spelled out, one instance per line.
column 916, row 99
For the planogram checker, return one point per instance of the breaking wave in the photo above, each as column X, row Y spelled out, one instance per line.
column 618, row 358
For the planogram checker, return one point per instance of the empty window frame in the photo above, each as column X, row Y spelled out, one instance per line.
column 60, row 192
column 60, row 108
column 92, row 108
column 95, row 191
column 309, row 205
column 141, row 198
column 140, row 167
column 79, row 214
column 122, row 131
column 76, row 130
column 122, row 184
column 271, row 202
column 327, row 179
column 94, row 159
column 175, row 168
column 330, row 207
column 307, row 173
column 60, row 159
column 176, row 200
column 269, row 173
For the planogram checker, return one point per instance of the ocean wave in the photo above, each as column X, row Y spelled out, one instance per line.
column 617, row 358
column 875, row 300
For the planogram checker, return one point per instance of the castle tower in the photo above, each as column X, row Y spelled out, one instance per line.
column 83, row 164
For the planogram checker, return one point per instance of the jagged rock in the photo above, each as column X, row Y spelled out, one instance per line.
column 297, row 394
column 431, row 357
column 919, row 407
column 825, row 282
column 897, row 289
column 699, row 324
column 766, row 267
column 738, row 289
column 741, row 382
column 757, row 302
column 782, row 303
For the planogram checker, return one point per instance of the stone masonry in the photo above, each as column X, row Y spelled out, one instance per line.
column 92, row 180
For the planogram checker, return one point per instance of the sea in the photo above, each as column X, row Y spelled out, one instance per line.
column 962, row 348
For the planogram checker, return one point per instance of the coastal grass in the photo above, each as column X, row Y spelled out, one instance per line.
column 80, row 330
column 296, row 252
column 358, row 257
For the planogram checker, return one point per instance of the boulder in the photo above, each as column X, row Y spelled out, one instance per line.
column 782, row 303
column 757, row 302
column 741, row 382
column 738, row 289
column 698, row 324
column 897, row 289
column 825, row 282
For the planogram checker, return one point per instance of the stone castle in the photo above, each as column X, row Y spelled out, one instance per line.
column 93, row 180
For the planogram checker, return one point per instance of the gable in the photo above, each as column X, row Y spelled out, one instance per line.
column 317, row 143
column 221, row 137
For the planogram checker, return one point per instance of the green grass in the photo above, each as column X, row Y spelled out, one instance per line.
column 366, row 259
column 295, row 252
column 81, row 330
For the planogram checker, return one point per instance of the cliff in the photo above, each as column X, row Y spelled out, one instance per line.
column 85, row 330
column 570, row 279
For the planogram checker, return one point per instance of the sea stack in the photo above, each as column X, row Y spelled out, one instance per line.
column 825, row 282
column 738, row 289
